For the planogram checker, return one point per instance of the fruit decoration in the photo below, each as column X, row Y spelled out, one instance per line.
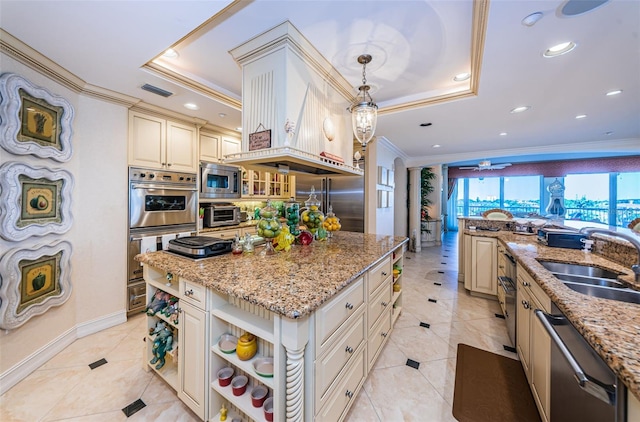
column 292, row 214
column 284, row 240
column 268, row 227
column 312, row 217
column 331, row 222
column 305, row 237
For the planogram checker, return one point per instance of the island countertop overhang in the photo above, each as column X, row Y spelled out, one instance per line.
column 293, row 284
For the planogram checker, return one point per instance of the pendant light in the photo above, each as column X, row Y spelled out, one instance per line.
column 364, row 112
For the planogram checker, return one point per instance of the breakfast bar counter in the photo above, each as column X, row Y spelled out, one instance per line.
column 320, row 312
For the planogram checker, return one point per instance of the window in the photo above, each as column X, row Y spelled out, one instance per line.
column 627, row 198
column 586, row 197
column 522, row 195
column 484, row 194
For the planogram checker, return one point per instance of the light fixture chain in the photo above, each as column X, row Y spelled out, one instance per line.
column 364, row 74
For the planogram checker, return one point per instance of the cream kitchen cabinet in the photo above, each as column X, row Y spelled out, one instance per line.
column 262, row 184
column 163, row 144
column 483, row 265
column 532, row 341
column 215, row 146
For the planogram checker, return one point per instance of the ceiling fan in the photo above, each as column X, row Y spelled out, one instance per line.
column 486, row 165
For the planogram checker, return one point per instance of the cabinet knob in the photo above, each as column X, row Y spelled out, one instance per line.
column 168, row 164
column 501, row 267
column 188, row 292
column 525, row 304
column 383, row 303
column 348, row 306
column 164, row 164
column 384, row 273
column 383, row 334
column 348, row 394
column 348, row 349
column 526, row 284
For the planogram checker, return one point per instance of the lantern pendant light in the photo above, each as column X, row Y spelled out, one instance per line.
column 364, row 112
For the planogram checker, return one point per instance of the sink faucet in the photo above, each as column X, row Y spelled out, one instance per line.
column 634, row 241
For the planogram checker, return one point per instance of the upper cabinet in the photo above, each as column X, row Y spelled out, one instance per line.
column 162, row 144
column 214, row 146
column 261, row 184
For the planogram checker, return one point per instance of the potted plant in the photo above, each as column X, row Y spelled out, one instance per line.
column 426, row 188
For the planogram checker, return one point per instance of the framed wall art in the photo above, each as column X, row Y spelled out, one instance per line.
column 34, row 201
column 32, row 281
column 34, row 121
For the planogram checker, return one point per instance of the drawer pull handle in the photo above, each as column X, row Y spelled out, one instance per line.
column 179, row 310
column 384, row 273
column 383, row 303
column 526, row 284
column 348, row 306
column 348, row 394
column 188, row 292
column 383, row 334
column 525, row 304
column 348, row 349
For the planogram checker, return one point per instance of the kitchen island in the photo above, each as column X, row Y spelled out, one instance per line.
column 322, row 312
column 610, row 327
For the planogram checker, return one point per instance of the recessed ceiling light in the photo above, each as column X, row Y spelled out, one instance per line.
column 520, row 109
column 503, row 133
column 560, row 49
column 461, row 77
column 581, row 116
column 170, row 54
column 435, row 146
column 532, row 19
column 222, row 115
column 609, row 133
column 191, row 106
column 425, row 124
column 615, row 92
column 239, row 129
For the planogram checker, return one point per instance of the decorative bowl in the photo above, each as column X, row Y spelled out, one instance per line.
column 263, row 367
column 239, row 385
column 268, row 409
column 224, row 376
column 227, row 343
column 259, row 395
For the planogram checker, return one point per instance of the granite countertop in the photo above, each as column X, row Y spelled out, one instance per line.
column 611, row 327
column 294, row 283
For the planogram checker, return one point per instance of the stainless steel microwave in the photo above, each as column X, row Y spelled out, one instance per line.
column 218, row 181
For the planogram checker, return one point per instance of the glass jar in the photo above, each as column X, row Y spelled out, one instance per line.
column 292, row 214
column 331, row 222
column 312, row 217
column 268, row 227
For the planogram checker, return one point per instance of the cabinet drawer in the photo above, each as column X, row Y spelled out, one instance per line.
column 379, row 303
column 344, row 391
column 337, row 310
column 337, row 357
column 535, row 290
column 379, row 273
column 378, row 336
column 193, row 293
column 223, row 234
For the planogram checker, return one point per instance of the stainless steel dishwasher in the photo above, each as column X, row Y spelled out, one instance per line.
column 583, row 387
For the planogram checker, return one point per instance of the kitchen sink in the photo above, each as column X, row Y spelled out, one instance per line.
column 592, row 281
column 579, row 270
column 624, row 294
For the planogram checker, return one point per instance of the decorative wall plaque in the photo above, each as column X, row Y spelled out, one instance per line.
column 34, row 121
column 34, row 201
column 32, row 281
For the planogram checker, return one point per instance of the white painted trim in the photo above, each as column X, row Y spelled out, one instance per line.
column 102, row 323
column 31, row 363
column 34, row 361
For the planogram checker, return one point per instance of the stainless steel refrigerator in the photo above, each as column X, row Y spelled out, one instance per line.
column 344, row 193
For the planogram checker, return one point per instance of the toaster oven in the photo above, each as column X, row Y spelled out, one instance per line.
column 216, row 215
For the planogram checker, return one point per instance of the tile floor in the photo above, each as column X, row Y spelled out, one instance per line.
column 66, row 389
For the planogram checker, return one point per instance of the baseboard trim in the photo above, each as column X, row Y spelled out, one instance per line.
column 41, row 356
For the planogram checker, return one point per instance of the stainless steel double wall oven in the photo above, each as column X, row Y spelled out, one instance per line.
column 161, row 203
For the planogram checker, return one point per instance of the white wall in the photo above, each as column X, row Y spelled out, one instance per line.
column 97, row 235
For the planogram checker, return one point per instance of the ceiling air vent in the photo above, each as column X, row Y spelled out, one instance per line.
column 156, row 90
